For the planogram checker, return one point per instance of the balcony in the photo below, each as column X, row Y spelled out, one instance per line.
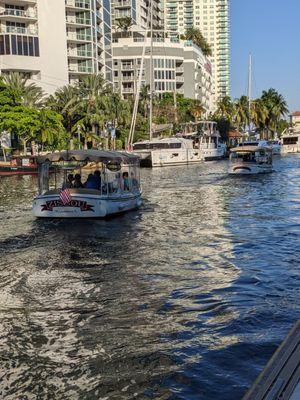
column 179, row 79
column 19, row 30
column 76, row 5
column 122, row 4
column 80, row 54
column 80, row 69
column 72, row 20
column 78, row 37
column 127, row 67
column 18, row 15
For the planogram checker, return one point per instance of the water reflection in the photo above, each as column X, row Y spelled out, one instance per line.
column 184, row 299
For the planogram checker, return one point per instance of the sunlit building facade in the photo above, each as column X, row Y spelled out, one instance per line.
column 55, row 42
column 212, row 18
column 178, row 67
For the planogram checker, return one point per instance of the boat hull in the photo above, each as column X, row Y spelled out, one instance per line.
column 213, row 154
column 172, row 157
column 10, row 171
column 249, row 169
column 85, row 206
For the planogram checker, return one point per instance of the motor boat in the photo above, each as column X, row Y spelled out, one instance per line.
column 276, row 147
column 211, row 145
column 290, row 142
column 19, row 165
column 167, row 152
column 119, row 190
column 246, row 160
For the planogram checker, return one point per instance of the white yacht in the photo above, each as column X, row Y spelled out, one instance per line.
column 117, row 189
column 167, row 152
column 210, row 144
column 290, row 142
column 249, row 159
column 276, row 147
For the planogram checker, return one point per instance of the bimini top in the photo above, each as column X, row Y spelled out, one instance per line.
column 89, row 156
column 252, row 149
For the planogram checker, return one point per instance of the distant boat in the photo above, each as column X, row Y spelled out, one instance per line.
column 290, row 142
column 250, row 159
column 167, row 152
column 19, row 165
column 211, row 145
column 276, row 147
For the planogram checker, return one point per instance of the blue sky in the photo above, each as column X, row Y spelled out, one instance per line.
column 270, row 30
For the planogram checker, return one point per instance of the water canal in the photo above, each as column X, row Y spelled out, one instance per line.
column 186, row 298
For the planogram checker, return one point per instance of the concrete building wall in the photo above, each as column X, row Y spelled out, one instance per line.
column 212, row 18
column 179, row 67
column 53, row 45
column 54, row 42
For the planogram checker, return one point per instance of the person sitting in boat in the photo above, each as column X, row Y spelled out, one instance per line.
column 134, row 181
column 69, row 183
column 90, row 182
column 97, row 179
column 125, row 181
column 77, row 182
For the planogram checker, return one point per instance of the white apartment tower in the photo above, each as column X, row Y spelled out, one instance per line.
column 55, row 42
column 212, row 18
column 138, row 11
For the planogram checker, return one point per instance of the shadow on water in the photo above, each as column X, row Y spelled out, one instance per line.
column 184, row 299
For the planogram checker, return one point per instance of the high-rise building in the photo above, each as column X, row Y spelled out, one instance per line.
column 54, row 42
column 138, row 11
column 212, row 18
column 178, row 67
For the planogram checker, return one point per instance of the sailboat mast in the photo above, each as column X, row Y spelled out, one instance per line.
column 250, row 91
column 151, row 72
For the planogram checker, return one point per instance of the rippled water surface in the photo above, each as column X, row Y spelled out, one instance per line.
column 186, row 298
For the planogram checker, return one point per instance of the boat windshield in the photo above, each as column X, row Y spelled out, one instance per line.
column 97, row 178
column 156, row 146
column 245, row 156
column 290, row 140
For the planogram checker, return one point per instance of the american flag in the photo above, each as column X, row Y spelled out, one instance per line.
column 65, row 196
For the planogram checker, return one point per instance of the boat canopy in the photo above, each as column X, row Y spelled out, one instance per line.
column 252, row 149
column 89, row 156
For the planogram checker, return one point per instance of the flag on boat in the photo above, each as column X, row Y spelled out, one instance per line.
column 65, row 196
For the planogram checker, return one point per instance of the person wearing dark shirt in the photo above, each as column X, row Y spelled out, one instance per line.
column 77, row 182
column 97, row 179
column 90, row 182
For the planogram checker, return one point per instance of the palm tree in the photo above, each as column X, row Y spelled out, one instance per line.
column 195, row 35
column 92, row 92
column 65, row 101
column 225, row 108
column 22, row 92
column 259, row 114
column 276, row 106
column 241, row 112
column 124, row 24
column 197, row 109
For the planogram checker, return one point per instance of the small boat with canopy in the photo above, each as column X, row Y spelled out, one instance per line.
column 248, row 159
column 117, row 190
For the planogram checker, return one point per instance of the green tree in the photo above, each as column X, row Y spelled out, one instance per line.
column 22, row 92
column 225, row 109
column 241, row 112
column 124, row 24
column 65, row 102
column 196, row 36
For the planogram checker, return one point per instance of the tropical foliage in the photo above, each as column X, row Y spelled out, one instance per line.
column 266, row 115
column 85, row 114
column 196, row 36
